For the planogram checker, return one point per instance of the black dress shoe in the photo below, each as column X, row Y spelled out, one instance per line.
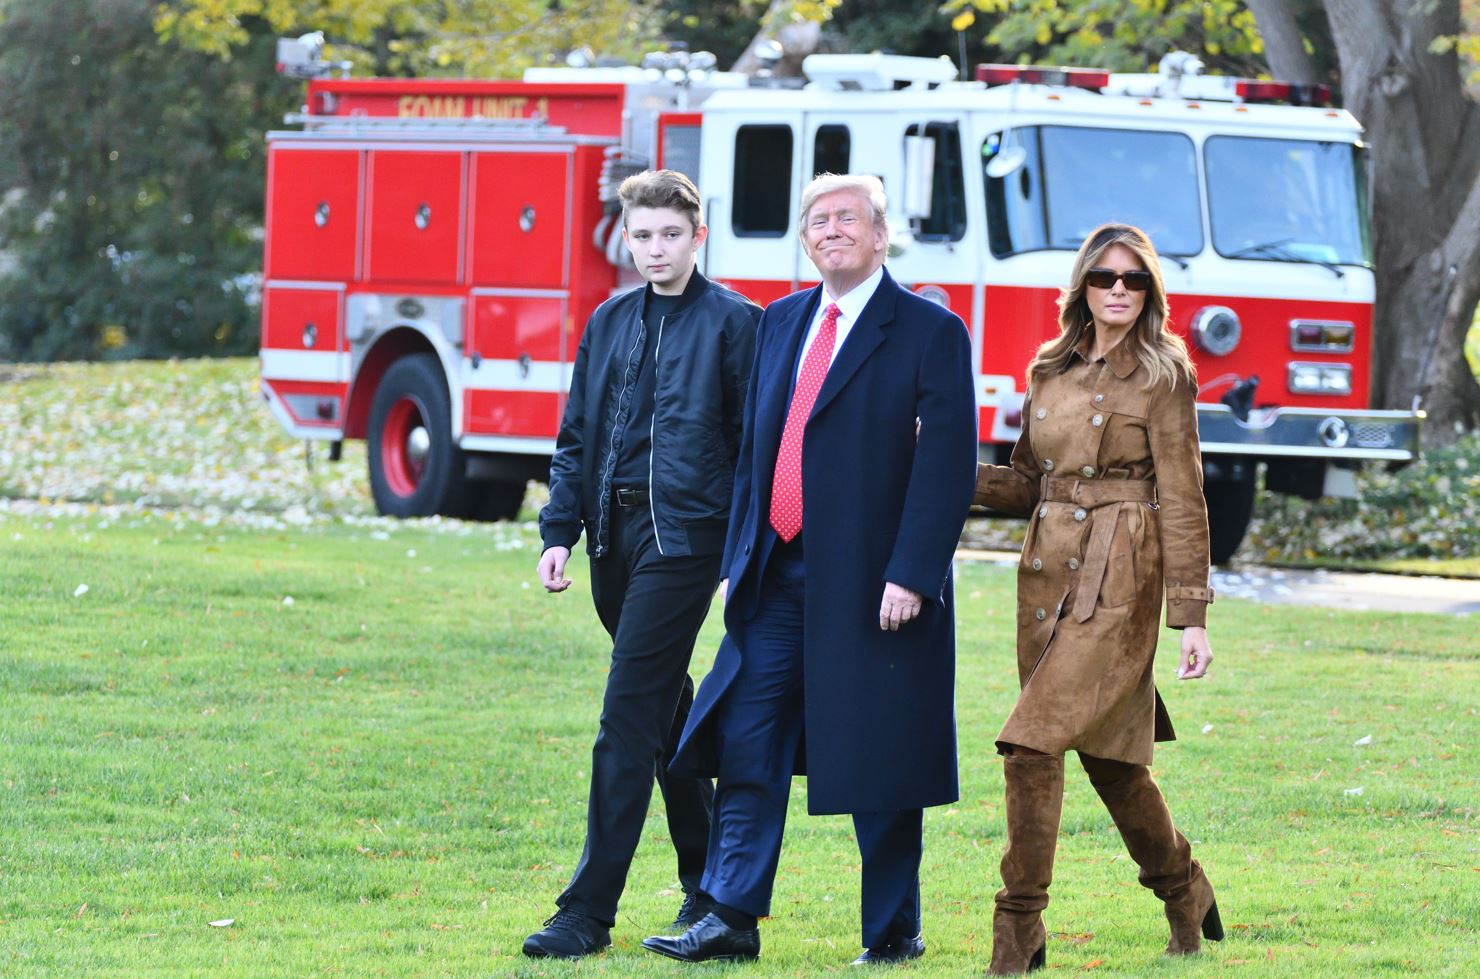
column 708, row 940
column 894, row 950
column 568, row 934
column 695, row 906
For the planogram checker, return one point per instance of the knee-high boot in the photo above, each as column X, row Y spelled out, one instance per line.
column 1163, row 854
column 1035, row 799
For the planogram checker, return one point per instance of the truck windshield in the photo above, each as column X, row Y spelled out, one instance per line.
column 1073, row 179
column 1287, row 200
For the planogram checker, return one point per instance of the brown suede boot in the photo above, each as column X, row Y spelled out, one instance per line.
column 1163, row 854
column 1035, row 798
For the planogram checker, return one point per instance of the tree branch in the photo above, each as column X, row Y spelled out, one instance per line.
column 1284, row 47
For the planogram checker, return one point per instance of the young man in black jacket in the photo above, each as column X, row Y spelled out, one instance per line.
column 644, row 463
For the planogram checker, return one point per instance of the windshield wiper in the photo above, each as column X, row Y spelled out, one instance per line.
column 1279, row 249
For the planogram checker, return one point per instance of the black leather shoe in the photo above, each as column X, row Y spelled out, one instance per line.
column 695, row 906
column 568, row 934
column 708, row 940
column 894, row 950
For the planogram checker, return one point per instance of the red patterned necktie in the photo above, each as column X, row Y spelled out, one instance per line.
column 786, row 487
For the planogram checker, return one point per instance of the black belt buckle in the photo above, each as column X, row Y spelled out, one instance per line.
column 631, row 496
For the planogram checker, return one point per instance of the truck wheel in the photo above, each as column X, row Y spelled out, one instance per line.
column 1230, row 496
column 415, row 468
column 498, row 499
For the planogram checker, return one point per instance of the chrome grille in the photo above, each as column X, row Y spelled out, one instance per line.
column 1371, row 436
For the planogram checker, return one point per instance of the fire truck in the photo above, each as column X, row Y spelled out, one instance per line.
column 434, row 247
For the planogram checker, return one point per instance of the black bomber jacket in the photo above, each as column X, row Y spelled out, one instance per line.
column 702, row 360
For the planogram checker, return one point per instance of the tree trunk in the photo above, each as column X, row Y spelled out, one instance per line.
column 797, row 39
column 1284, row 48
column 1424, row 133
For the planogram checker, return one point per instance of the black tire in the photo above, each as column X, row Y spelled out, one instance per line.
column 1230, row 508
column 498, row 499
column 406, row 481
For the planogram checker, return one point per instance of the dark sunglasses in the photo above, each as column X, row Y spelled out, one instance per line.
column 1105, row 279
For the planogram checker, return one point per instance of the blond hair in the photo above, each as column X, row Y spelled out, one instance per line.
column 1161, row 352
column 870, row 188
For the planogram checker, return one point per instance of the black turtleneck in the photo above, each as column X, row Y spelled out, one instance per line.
column 632, row 462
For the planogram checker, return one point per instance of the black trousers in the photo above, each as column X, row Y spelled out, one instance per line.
column 653, row 606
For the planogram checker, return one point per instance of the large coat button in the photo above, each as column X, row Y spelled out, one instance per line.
column 1041, row 414
column 1074, row 564
column 1040, row 615
column 1048, row 465
column 1099, row 398
column 1037, row 564
column 1080, row 514
column 1043, row 511
column 1088, row 472
column 1097, row 421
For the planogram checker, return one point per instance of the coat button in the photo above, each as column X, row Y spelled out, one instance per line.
column 1099, row 398
column 1040, row 615
column 747, row 548
column 1074, row 564
column 1088, row 472
column 1048, row 465
column 1080, row 514
column 1041, row 414
column 1037, row 564
column 1043, row 511
column 1097, row 421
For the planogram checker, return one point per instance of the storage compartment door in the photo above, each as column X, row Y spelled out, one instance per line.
column 415, row 217
column 521, row 205
column 313, row 205
column 305, row 367
column 514, row 377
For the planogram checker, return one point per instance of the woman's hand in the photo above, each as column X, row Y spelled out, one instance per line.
column 1197, row 655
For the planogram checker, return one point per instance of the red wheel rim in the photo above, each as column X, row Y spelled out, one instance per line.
column 404, row 446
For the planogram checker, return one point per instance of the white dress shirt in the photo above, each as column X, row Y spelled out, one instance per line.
column 850, row 307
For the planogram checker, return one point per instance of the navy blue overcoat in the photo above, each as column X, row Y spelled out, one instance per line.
column 879, row 505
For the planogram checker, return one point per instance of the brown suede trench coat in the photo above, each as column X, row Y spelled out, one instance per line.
column 1110, row 472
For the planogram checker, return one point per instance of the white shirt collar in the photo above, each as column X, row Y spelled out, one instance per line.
column 850, row 304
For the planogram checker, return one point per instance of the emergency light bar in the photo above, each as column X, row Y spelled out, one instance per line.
column 1087, row 78
column 1250, row 90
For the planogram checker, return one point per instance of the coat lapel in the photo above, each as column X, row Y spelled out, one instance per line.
column 771, row 412
column 863, row 339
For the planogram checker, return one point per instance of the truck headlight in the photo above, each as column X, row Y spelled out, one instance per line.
column 1333, row 379
column 1216, row 330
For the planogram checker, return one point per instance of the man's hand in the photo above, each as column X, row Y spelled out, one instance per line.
column 724, row 590
column 899, row 606
column 552, row 568
column 1197, row 655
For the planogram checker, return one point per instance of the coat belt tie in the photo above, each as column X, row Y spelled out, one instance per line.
column 1105, row 500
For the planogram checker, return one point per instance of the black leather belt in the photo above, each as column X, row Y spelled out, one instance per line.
column 635, row 496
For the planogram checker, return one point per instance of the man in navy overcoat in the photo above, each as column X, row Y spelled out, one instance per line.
column 855, row 474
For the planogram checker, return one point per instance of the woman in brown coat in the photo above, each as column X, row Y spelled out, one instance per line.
column 1108, row 468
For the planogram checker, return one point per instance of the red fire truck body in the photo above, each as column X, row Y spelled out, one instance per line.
column 434, row 248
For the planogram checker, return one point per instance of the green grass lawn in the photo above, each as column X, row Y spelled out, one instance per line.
column 386, row 776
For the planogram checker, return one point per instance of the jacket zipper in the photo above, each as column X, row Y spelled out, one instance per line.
column 652, row 439
column 611, row 443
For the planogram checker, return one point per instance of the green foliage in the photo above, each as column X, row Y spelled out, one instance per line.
column 1429, row 509
column 483, row 38
column 1120, row 36
column 134, row 176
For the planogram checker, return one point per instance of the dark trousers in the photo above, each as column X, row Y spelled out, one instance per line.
column 653, row 606
column 759, row 727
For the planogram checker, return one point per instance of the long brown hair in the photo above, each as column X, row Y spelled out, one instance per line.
column 1160, row 351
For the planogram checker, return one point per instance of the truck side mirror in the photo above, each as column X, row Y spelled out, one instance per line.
column 1006, row 162
column 919, row 175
